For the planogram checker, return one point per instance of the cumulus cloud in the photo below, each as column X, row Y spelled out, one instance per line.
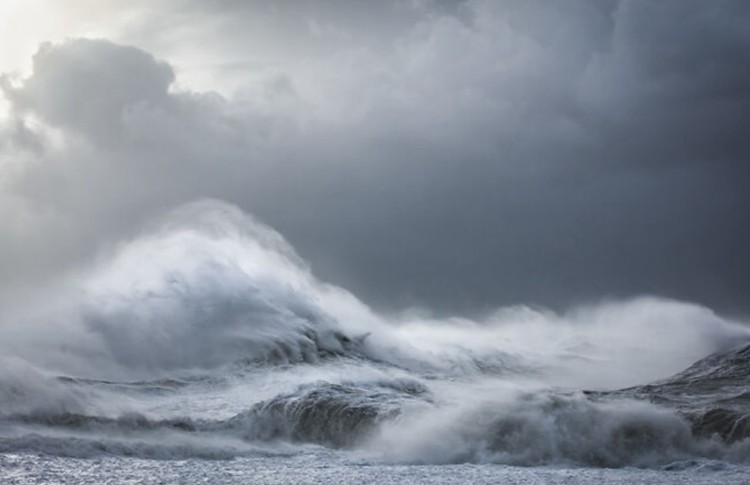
column 452, row 155
column 90, row 86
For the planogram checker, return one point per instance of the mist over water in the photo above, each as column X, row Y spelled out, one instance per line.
column 207, row 336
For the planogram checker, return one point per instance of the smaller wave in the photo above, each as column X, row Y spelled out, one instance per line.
column 334, row 415
column 712, row 394
column 25, row 389
column 95, row 446
column 544, row 428
column 131, row 422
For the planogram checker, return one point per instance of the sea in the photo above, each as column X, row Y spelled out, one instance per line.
column 204, row 350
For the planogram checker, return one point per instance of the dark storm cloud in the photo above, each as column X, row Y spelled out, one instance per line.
column 456, row 156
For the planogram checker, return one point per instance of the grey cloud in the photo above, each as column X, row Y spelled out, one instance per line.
column 458, row 156
column 84, row 88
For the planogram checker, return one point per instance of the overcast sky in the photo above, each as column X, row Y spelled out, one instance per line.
column 451, row 155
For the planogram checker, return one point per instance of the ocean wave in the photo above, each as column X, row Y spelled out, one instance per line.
column 97, row 446
column 547, row 428
column 404, row 422
column 209, row 287
column 210, row 304
column 329, row 414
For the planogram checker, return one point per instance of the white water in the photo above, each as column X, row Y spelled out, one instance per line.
column 172, row 340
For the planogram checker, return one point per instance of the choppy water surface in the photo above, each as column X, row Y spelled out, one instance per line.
column 206, row 350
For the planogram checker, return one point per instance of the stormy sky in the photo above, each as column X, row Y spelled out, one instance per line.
column 453, row 155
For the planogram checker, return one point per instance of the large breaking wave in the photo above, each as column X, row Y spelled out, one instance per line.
column 207, row 336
